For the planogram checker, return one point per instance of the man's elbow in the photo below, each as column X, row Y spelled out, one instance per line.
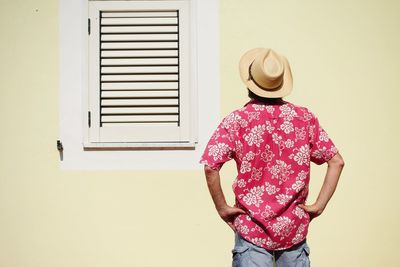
column 336, row 160
column 209, row 171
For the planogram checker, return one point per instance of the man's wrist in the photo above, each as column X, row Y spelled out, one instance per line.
column 221, row 207
column 320, row 205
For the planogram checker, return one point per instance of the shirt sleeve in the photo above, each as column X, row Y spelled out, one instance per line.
column 221, row 146
column 322, row 147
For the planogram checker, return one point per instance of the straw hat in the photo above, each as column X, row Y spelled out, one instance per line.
column 266, row 73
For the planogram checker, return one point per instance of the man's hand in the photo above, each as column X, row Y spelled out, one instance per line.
column 228, row 214
column 313, row 210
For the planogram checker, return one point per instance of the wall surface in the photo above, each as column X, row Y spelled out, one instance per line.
column 345, row 60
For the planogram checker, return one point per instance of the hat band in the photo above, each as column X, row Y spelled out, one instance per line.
column 259, row 85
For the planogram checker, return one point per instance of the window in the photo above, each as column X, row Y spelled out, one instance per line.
column 140, row 92
column 203, row 104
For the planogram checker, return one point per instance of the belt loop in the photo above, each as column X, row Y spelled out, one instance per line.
column 273, row 255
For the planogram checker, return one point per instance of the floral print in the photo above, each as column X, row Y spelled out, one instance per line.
column 280, row 171
column 283, row 198
column 253, row 197
column 268, row 213
column 283, row 227
column 302, row 155
column 287, row 127
column 218, row 150
column 255, row 136
column 271, row 189
column 272, row 146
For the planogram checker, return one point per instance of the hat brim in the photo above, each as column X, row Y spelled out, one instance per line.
column 244, row 64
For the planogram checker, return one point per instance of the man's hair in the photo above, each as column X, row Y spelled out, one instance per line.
column 263, row 99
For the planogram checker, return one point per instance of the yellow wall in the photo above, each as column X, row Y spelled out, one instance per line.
column 345, row 62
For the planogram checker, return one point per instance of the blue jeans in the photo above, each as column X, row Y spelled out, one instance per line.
column 246, row 254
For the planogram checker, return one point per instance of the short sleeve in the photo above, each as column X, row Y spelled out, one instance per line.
column 221, row 146
column 322, row 147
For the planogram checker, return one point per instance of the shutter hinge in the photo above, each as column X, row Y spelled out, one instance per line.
column 89, row 26
column 89, row 119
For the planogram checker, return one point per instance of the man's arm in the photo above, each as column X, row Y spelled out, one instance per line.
column 226, row 212
column 335, row 166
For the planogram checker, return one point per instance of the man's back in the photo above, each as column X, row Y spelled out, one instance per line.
column 272, row 146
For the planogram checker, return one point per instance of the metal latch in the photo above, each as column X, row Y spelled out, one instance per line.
column 60, row 149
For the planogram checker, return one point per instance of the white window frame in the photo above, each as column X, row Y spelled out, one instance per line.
column 73, row 77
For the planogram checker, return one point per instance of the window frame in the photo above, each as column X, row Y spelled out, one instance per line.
column 72, row 80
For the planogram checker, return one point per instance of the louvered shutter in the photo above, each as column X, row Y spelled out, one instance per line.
column 139, row 84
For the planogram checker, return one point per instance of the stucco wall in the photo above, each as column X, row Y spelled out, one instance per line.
column 345, row 60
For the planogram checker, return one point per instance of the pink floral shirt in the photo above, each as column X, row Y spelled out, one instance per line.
column 272, row 146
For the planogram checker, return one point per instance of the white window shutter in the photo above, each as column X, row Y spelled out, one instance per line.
column 139, row 74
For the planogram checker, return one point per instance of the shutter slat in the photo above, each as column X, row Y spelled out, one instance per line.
column 140, row 53
column 144, row 110
column 140, row 86
column 139, row 118
column 139, row 70
column 138, row 45
column 125, row 94
column 139, row 29
column 138, row 21
column 139, row 37
column 139, row 61
column 140, row 102
column 138, row 14
column 132, row 77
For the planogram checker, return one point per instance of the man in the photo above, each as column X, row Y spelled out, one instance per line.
column 273, row 142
